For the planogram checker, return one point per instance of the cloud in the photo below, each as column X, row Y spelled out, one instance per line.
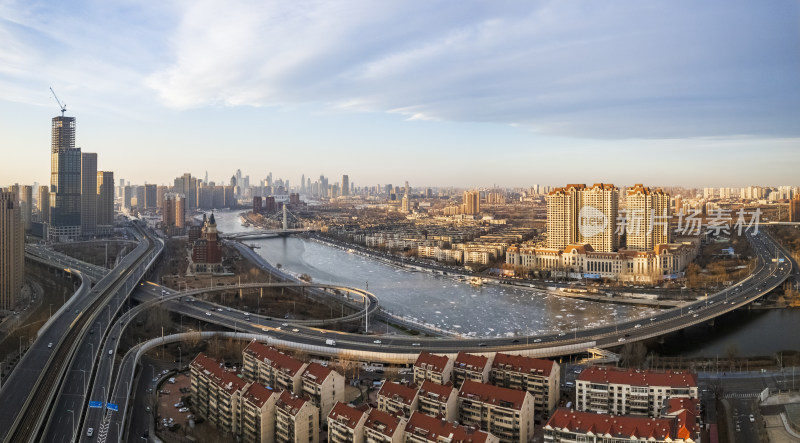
column 586, row 69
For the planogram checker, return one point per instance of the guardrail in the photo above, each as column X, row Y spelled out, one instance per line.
column 85, row 286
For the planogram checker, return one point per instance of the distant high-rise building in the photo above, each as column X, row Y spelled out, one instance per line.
column 127, row 197
column 150, row 196
column 472, row 203
column 88, row 193
column 161, row 191
column 12, row 250
column 404, row 205
column 65, row 181
column 646, row 218
column 173, row 214
column 44, row 204
column 794, row 209
column 303, row 184
column 105, row 201
column 345, row 185
column 139, row 198
column 26, row 206
column 187, row 185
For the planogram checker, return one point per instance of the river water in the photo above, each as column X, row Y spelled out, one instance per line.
column 494, row 310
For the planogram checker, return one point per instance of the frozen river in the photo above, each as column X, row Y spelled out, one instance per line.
column 488, row 310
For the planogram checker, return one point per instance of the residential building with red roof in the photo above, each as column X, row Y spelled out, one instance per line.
column 216, row 392
column 569, row 426
column 323, row 386
column 382, row 427
column 540, row 377
column 272, row 367
column 506, row 413
column 394, row 397
column 258, row 414
column 346, row 424
column 471, row 367
column 631, row 391
column 296, row 419
column 436, row 368
column 687, row 412
column 438, row 400
column 422, row 428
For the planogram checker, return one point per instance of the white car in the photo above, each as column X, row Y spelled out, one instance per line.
column 49, row 345
column 295, row 330
column 184, row 409
column 208, row 314
column 377, row 342
column 90, row 432
column 638, row 326
column 621, row 339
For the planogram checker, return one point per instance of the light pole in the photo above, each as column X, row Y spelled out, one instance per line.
column 84, row 381
column 179, row 358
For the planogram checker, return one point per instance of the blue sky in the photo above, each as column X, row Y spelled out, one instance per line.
column 468, row 93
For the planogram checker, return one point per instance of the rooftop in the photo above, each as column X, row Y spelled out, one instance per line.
column 273, row 357
column 433, row 429
column 290, row 403
column 636, row 377
column 258, row 394
column 342, row 413
column 623, row 427
column 470, row 361
column 519, row 363
column 216, row 372
column 430, row 389
column 493, row 395
column 396, row 391
column 435, row 362
column 382, row 422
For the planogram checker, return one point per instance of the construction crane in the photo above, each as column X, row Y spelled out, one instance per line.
column 63, row 107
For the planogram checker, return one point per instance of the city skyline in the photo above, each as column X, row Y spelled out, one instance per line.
column 669, row 94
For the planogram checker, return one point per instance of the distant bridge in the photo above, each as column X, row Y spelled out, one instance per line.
column 263, row 233
column 269, row 233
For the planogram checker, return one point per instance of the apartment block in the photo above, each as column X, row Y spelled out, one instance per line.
column 423, row 428
column 394, row 398
column 258, row 414
column 296, row 419
column 505, row 413
column 471, row 367
column 436, row 368
column 323, row 386
column 438, row 400
column 272, row 368
column 540, row 377
column 382, row 427
column 646, row 218
column 581, row 214
column 216, row 393
column 346, row 424
column 631, row 391
column 574, row 426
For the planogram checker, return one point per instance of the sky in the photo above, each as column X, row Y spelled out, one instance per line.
column 437, row 93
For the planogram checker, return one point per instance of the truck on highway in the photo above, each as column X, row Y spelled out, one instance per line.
column 330, row 342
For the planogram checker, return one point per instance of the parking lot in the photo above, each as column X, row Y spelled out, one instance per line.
column 171, row 394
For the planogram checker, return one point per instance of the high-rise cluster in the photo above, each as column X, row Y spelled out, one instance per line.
column 73, row 206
